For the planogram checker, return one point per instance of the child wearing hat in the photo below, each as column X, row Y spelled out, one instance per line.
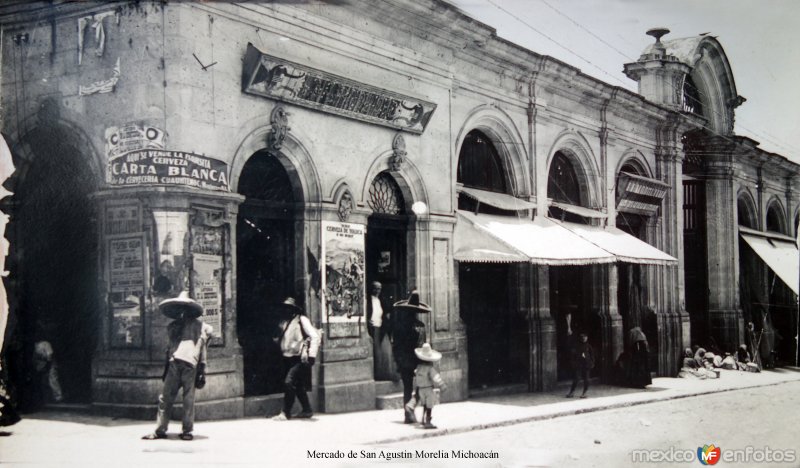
column 428, row 383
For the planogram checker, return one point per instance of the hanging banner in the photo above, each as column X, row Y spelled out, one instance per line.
column 162, row 167
column 126, row 288
column 344, row 298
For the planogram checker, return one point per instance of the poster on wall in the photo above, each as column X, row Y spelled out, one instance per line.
column 344, row 299
column 123, row 219
column 126, row 290
column 133, row 136
column 208, row 272
column 171, row 275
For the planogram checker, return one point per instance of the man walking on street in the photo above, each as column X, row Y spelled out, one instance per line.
column 299, row 342
column 582, row 358
column 186, row 362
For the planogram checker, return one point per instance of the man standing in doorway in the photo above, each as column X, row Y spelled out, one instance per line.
column 379, row 328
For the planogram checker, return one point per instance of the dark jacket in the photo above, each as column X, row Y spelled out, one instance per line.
column 408, row 333
column 582, row 355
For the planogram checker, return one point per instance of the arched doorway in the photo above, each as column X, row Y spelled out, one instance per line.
column 497, row 342
column 265, row 267
column 386, row 250
column 53, row 267
column 570, row 302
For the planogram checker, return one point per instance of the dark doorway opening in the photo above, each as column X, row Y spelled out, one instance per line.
column 265, row 268
column 497, row 338
column 53, row 270
column 570, row 307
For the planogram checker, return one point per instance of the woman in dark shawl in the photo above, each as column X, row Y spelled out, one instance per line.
column 639, row 367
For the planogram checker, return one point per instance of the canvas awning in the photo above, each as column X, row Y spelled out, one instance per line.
column 540, row 241
column 497, row 200
column 578, row 210
column 625, row 247
column 639, row 195
column 778, row 252
column 543, row 241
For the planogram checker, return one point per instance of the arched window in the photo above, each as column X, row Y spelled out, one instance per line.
column 479, row 164
column 745, row 214
column 385, row 196
column 691, row 97
column 562, row 181
column 775, row 219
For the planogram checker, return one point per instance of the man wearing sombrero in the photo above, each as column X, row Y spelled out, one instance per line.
column 186, row 355
column 408, row 333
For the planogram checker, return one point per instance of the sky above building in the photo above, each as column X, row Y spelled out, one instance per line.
column 761, row 40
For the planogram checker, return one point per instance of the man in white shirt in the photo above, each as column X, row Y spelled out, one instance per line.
column 188, row 341
column 379, row 328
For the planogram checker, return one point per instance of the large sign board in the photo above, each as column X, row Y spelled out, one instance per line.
column 162, row 167
column 273, row 77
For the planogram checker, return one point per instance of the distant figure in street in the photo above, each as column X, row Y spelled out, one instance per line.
column 639, row 368
column 299, row 342
column 582, row 359
column 379, row 328
column 427, row 384
column 186, row 362
column 408, row 334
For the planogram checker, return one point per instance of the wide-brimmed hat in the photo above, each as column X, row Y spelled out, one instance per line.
column 290, row 305
column 181, row 306
column 426, row 353
column 412, row 304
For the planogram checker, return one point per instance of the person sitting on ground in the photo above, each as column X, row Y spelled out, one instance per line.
column 729, row 362
column 690, row 369
column 688, row 359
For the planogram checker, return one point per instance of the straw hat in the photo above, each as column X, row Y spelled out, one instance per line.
column 426, row 353
column 290, row 305
column 181, row 306
column 412, row 304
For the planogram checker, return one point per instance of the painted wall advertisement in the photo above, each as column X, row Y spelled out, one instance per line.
column 343, row 277
column 208, row 271
column 137, row 156
column 126, row 287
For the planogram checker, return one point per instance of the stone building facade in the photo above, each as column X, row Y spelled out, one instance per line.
column 248, row 152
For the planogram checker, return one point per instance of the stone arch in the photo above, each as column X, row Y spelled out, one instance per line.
column 577, row 149
column 712, row 76
column 409, row 178
column 636, row 159
column 507, row 140
column 23, row 155
column 775, row 208
column 746, row 205
column 293, row 156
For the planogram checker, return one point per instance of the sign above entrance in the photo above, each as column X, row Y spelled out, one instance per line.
column 162, row 167
column 272, row 77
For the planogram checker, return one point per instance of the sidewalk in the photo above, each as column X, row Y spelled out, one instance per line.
column 63, row 438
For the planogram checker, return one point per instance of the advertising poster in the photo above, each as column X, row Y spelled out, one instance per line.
column 207, row 288
column 343, row 271
column 133, row 136
column 122, row 219
column 126, row 287
column 171, row 276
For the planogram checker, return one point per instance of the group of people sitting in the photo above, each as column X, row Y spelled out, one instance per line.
column 701, row 364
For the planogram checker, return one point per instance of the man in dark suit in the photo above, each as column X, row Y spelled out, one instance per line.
column 379, row 328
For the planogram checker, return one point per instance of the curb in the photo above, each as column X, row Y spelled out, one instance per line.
column 558, row 414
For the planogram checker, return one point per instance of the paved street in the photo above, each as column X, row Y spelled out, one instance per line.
column 759, row 417
column 533, row 429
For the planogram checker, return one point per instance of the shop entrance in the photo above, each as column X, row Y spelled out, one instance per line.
column 53, row 271
column 497, row 339
column 570, row 307
column 265, row 268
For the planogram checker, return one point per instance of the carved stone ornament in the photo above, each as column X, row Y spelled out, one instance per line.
column 398, row 153
column 280, row 127
column 345, row 206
